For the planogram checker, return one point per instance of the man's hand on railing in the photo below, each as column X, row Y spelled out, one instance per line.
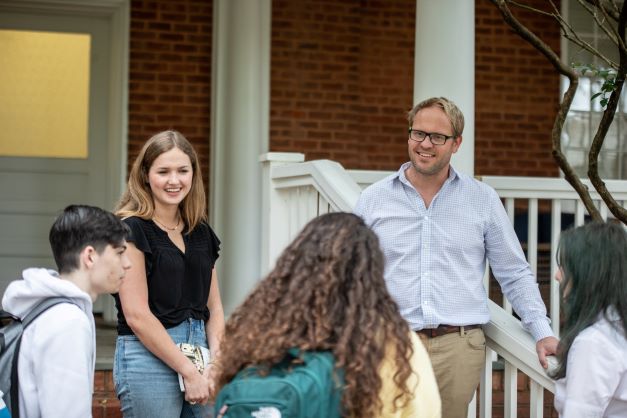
column 546, row 347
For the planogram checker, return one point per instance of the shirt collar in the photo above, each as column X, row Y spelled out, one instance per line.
column 400, row 174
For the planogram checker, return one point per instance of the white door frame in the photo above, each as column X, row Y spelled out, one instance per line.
column 117, row 12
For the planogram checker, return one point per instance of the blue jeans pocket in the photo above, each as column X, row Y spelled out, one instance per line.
column 146, row 386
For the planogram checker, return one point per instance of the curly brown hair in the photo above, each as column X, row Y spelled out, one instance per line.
column 326, row 292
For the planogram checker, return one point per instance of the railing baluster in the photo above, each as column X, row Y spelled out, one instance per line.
column 556, row 227
column 603, row 210
column 485, row 403
column 580, row 211
column 511, row 212
column 303, row 210
column 472, row 407
column 292, row 197
column 536, row 400
column 510, row 387
column 532, row 236
column 510, row 209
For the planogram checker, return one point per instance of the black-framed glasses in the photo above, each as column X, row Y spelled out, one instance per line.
column 435, row 138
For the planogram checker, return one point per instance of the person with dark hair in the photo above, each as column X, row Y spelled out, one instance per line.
column 89, row 247
column 170, row 296
column 327, row 292
column 592, row 353
column 438, row 228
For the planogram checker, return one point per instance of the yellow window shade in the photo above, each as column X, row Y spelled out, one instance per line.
column 44, row 94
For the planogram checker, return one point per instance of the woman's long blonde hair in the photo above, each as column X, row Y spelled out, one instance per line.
column 137, row 200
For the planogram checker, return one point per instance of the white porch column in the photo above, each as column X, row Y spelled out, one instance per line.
column 445, row 64
column 240, row 133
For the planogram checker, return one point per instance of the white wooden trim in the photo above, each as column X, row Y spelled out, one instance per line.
column 532, row 235
column 438, row 72
column 548, row 188
column 556, row 227
column 505, row 335
column 240, row 133
column 485, row 404
column 536, row 400
column 472, row 407
column 510, row 388
column 118, row 14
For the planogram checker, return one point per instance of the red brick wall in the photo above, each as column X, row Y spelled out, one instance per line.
column 104, row 402
column 517, row 95
column 170, row 73
column 342, row 80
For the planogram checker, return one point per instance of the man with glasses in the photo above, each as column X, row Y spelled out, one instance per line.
column 437, row 227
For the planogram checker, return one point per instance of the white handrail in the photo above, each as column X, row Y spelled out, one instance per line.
column 295, row 191
column 328, row 177
column 549, row 188
column 506, row 336
column 301, row 190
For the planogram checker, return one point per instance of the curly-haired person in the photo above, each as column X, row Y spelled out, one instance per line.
column 327, row 292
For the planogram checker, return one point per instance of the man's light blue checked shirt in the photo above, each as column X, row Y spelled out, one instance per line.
column 436, row 257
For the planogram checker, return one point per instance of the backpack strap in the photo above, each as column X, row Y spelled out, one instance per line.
column 43, row 306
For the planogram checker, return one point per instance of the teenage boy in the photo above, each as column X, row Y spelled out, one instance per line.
column 57, row 356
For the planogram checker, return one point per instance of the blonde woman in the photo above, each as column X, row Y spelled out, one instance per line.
column 171, row 294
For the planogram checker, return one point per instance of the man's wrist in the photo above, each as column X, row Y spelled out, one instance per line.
column 541, row 329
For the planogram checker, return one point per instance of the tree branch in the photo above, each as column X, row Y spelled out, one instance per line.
column 621, row 42
column 585, row 45
column 613, row 13
column 556, row 132
column 604, row 126
column 610, row 32
column 568, row 32
column 530, row 8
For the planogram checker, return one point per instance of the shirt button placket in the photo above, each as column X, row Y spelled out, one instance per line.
column 425, row 282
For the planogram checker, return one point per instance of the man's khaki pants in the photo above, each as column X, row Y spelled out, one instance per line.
column 457, row 359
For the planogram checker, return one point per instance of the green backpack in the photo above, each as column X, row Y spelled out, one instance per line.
column 303, row 385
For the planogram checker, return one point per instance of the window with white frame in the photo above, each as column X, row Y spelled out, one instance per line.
column 584, row 115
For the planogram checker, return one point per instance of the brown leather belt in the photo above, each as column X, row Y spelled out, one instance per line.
column 445, row 329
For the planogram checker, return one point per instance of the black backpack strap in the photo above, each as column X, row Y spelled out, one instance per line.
column 30, row 317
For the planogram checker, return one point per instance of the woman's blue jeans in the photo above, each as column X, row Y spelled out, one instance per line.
column 146, row 386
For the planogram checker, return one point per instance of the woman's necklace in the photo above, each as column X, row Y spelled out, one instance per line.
column 162, row 225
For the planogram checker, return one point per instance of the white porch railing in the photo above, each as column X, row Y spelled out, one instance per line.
column 296, row 191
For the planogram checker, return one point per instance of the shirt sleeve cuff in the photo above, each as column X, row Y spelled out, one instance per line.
column 541, row 329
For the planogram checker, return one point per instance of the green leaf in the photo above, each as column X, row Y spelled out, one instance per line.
column 594, row 96
column 604, row 102
column 609, row 86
